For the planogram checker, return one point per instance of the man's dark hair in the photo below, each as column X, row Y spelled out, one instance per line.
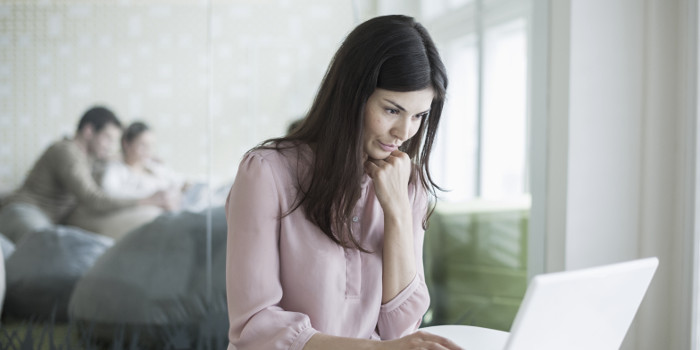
column 98, row 117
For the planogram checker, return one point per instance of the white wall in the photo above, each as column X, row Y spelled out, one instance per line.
column 557, row 135
column 668, row 145
column 605, row 123
column 625, row 177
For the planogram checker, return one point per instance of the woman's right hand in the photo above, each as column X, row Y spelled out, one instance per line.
column 420, row 340
column 416, row 341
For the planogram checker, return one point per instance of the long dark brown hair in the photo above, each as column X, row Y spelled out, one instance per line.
column 388, row 52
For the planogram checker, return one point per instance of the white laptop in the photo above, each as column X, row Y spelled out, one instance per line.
column 587, row 309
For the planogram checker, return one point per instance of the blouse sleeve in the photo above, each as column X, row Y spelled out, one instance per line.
column 253, row 284
column 403, row 314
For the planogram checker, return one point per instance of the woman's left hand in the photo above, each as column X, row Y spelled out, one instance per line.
column 391, row 177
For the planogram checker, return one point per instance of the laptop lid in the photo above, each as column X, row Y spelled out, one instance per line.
column 582, row 309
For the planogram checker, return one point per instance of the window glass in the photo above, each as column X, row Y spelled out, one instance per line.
column 434, row 8
column 457, row 3
column 476, row 250
column 504, row 131
column 497, row 149
column 457, row 146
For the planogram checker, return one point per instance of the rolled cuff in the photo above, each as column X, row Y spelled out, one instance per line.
column 403, row 314
column 303, row 338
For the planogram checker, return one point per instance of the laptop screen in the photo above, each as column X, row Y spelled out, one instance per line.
column 582, row 309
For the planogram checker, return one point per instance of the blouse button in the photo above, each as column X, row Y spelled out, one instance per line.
column 355, row 219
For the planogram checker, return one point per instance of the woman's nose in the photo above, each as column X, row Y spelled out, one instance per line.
column 402, row 129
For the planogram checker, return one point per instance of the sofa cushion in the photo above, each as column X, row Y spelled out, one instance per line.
column 114, row 224
column 156, row 276
column 7, row 247
column 44, row 268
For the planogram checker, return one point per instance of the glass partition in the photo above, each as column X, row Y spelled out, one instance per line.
column 89, row 278
column 215, row 78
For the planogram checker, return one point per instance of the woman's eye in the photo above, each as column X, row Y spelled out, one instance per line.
column 421, row 116
column 392, row 111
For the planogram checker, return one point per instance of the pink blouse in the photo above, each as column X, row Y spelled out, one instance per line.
column 286, row 280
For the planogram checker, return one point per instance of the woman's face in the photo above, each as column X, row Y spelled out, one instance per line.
column 393, row 117
column 139, row 149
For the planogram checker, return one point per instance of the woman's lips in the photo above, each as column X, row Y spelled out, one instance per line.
column 388, row 148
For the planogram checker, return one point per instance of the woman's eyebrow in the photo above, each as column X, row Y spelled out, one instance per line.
column 399, row 107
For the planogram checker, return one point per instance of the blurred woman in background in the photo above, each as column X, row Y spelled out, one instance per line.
column 139, row 173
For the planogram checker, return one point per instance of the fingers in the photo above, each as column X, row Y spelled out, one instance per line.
column 394, row 157
column 425, row 341
column 370, row 168
column 398, row 153
column 393, row 169
column 373, row 167
column 443, row 343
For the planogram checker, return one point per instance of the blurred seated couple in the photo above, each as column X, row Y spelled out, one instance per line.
column 75, row 183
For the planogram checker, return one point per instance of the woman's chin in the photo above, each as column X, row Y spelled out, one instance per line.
column 378, row 155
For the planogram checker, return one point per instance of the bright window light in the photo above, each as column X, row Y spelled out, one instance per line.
column 501, row 139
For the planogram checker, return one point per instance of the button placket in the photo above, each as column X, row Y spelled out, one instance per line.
column 353, row 264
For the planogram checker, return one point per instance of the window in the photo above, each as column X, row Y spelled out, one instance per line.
column 481, row 150
column 477, row 246
column 456, row 150
column 436, row 8
column 504, row 126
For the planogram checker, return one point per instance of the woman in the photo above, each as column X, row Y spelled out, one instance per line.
column 325, row 225
column 139, row 174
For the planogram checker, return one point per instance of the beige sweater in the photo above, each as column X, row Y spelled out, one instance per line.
column 60, row 180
